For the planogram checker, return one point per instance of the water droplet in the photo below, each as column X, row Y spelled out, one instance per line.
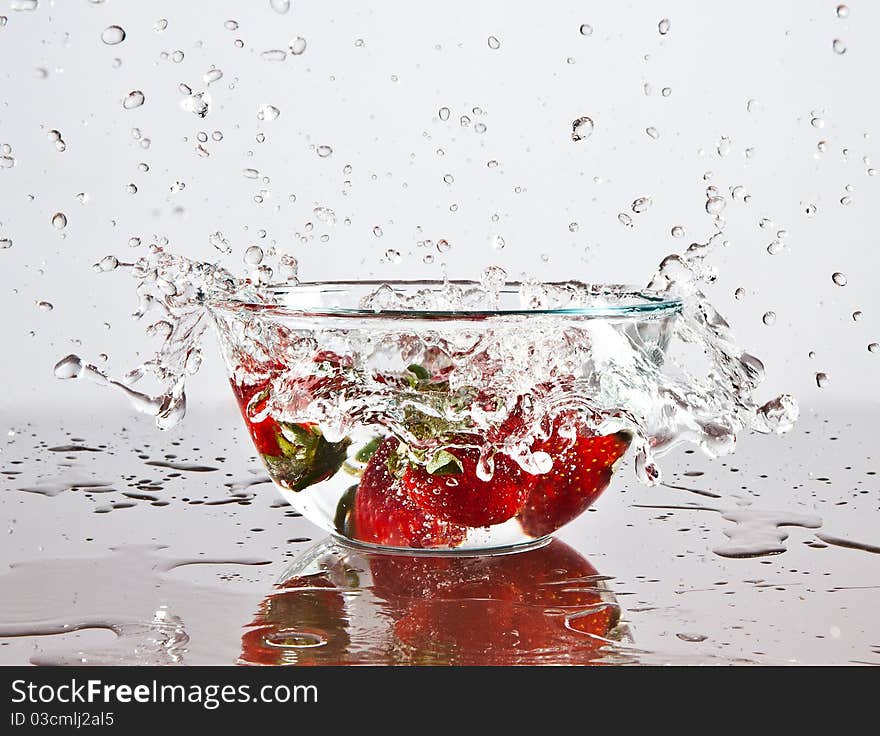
column 769, row 318
column 324, row 151
column 723, row 146
column 297, row 46
column 581, row 129
column 45, row 306
column 857, row 315
column 5, row 243
column 160, row 25
column 59, row 221
column 663, row 26
column 443, row 246
column 448, row 178
column 677, row 231
column 107, row 263
column 131, row 188
column 392, row 256
column 325, row 214
column 625, row 219
column 268, row 112
column 838, row 278
column 377, row 231
column 253, row 255
column 231, row 25
column 821, row 380
column 838, row 46
column 274, row 55
column 739, row 294
column 220, row 242
column 810, row 210
column 443, row 113
column 498, row 242
column 212, row 75
column 288, row 267
column 24, row 5
column 134, row 99
column 494, row 43
column 817, row 122
column 695, row 638
column 652, row 132
column 280, row 6
column 493, row 278
column 641, row 205
column 250, row 173
column 586, row 29
column 113, row 35
column 572, row 227
column 846, row 200
column 480, row 128
column 666, row 91
column 715, row 205
column 874, row 347
column 70, row 366
column 842, row 11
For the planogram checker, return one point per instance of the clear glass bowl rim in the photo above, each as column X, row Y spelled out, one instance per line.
column 635, row 301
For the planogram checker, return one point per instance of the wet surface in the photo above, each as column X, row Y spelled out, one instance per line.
column 172, row 548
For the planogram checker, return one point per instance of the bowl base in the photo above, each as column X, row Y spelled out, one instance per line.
column 486, row 551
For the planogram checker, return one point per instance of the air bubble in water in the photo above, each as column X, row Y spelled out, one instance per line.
column 586, row 29
column 493, row 278
column 113, row 35
column 134, row 99
column 663, row 26
column 297, row 46
column 253, row 256
column 677, row 231
column 494, row 43
column 769, row 318
column 324, row 151
column 822, row 380
column 268, row 112
column 838, row 278
column 838, row 46
column 59, row 221
column 581, row 129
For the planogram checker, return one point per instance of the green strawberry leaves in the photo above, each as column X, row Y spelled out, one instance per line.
column 306, row 457
column 444, row 463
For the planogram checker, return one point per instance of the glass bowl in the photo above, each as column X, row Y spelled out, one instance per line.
column 443, row 415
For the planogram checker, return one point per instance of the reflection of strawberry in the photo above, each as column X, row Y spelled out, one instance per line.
column 302, row 609
column 454, row 492
column 384, row 515
column 579, row 474
column 495, row 610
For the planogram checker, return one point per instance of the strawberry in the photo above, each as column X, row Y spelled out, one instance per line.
column 449, row 488
column 296, row 455
column 383, row 514
column 581, row 470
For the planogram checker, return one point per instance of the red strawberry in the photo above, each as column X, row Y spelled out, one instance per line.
column 264, row 433
column 455, row 493
column 579, row 474
column 496, row 610
column 383, row 514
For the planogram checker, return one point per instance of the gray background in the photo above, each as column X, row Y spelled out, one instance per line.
column 376, row 105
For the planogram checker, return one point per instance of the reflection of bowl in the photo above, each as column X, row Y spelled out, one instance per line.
column 341, row 605
column 388, row 418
